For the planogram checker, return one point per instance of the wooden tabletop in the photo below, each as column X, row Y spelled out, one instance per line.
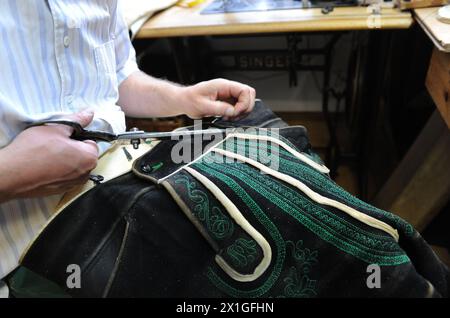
column 179, row 21
column 439, row 32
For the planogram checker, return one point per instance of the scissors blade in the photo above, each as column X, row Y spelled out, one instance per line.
column 169, row 134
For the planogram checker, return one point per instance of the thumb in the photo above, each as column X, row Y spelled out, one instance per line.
column 83, row 117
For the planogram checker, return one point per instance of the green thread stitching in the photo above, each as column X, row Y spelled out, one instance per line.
column 379, row 242
column 266, row 222
column 300, row 170
column 303, row 287
column 242, row 252
column 325, row 232
column 327, row 219
column 216, row 221
column 388, row 244
column 304, row 256
column 319, row 180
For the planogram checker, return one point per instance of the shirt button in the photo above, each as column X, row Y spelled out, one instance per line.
column 72, row 24
column 66, row 41
column 69, row 99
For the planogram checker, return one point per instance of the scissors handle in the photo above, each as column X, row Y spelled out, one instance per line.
column 79, row 133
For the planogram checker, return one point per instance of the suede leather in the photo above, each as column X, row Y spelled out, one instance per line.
column 134, row 238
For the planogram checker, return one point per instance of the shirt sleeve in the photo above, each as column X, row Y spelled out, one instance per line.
column 125, row 53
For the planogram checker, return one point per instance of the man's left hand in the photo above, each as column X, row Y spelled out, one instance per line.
column 218, row 97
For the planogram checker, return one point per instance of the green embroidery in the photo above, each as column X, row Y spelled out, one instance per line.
column 298, row 281
column 270, row 133
column 304, row 256
column 294, row 167
column 242, row 252
column 382, row 242
column 266, row 222
column 299, row 287
column 217, row 223
column 324, row 223
column 319, row 180
column 364, row 245
column 265, row 147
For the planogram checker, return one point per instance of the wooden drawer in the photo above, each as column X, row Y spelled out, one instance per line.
column 438, row 82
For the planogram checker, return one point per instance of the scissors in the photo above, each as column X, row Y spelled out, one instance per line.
column 134, row 136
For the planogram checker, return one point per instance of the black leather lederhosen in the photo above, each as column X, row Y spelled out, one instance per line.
column 163, row 232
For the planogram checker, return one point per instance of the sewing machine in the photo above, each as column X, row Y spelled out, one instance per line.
column 223, row 6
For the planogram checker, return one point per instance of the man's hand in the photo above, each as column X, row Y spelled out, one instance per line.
column 141, row 95
column 43, row 161
column 218, row 97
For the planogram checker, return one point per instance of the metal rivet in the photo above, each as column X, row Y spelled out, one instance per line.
column 146, row 168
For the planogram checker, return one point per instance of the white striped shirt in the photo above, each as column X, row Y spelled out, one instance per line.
column 56, row 57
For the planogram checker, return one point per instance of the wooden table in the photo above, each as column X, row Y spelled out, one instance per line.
column 177, row 21
column 437, row 31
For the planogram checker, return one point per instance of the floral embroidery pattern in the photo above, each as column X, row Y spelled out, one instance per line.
column 299, row 286
column 216, row 221
column 242, row 252
column 298, row 282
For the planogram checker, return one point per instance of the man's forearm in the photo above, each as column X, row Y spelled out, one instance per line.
column 141, row 95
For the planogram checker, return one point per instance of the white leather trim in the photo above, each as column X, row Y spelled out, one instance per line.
column 294, row 152
column 364, row 218
column 246, row 226
column 302, row 157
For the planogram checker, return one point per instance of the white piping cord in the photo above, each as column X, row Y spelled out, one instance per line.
column 300, row 156
column 364, row 218
column 281, row 143
column 244, row 224
column 193, row 161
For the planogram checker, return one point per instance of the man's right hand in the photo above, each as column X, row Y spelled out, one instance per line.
column 43, row 161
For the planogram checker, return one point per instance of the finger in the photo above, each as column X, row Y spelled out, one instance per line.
column 64, row 129
column 84, row 117
column 252, row 101
column 220, row 108
column 237, row 118
column 88, row 155
column 86, row 146
column 242, row 93
column 92, row 147
column 245, row 102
